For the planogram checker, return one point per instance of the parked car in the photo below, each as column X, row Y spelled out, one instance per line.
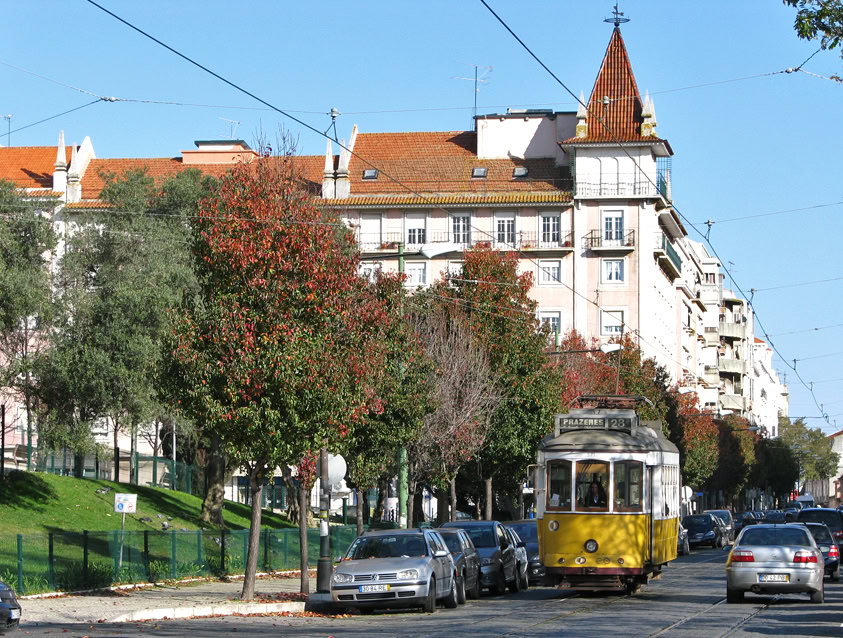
column 832, row 518
column 796, row 505
column 774, row 516
column 497, row 554
column 831, row 553
column 743, row 520
column 396, row 568
column 521, row 558
column 728, row 521
column 683, row 545
column 10, row 609
column 466, row 561
column 703, row 529
column 529, row 533
column 774, row 559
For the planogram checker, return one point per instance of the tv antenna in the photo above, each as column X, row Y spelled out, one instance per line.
column 8, row 119
column 478, row 79
column 334, row 113
column 618, row 18
column 233, row 124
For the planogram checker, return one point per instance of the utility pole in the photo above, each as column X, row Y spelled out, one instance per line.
column 324, row 565
column 2, row 441
column 403, row 482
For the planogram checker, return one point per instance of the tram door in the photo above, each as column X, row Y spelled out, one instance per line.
column 651, row 475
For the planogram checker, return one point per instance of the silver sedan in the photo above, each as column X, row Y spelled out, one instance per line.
column 775, row 559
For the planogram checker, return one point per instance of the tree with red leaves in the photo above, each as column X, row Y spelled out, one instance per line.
column 283, row 351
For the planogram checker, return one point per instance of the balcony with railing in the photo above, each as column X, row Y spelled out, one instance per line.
column 415, row 239
column 733, row 402
column 601, row 241
column 669, row 259
column 732, row 330
column 620, row 185
column 732, row 366
column 531, row 240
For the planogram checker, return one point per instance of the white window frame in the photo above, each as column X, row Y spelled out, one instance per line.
column 553, row 214
column 604, row 279
column 455, row 267
column 506, row 215
column 369, row 270
column 540, row 278
column 612, row 313
column 414, row 217
column 544, row 313
column 408, row 266
column 452, row 218
column 612, row 213
column 361, row 240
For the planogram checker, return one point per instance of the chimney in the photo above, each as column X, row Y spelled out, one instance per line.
column 582, row 118
column 329, row 190
column 343, row 183
column 648, row 114
column 74, row 179
column 60, row 174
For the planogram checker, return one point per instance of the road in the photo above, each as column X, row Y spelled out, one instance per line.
column 688, row 601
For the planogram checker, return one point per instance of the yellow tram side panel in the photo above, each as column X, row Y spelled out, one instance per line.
column 618, row 536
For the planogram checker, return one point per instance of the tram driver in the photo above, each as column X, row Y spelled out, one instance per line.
column 595, row 497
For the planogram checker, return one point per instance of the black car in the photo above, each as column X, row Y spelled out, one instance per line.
column 831, row 554
column 466, row 560
column 704, row 529
column 498, row 562
column 774, row 516
column 528, row 531
column 742, row 520
column 832, row 518
column 9, row 608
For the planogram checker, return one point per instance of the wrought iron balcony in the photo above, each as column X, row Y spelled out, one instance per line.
column 531, row 240
column 599, row 240
column 669, row 259
column 623, row 185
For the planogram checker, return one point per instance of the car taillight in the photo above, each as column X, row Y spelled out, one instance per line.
column 833, row 551
column 804, row 557
column 742, row 556
column 838, row 534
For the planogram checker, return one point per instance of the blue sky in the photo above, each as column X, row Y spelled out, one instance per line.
column 746, row 147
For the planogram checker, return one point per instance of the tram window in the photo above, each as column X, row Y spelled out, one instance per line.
column 628, row 486
column 592, row 483
column 559, row 485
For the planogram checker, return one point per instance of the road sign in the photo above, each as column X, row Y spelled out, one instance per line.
column 125, row 503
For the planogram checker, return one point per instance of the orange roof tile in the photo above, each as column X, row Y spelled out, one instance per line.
column 30, row 166
column 442, row 162
column 473, row 199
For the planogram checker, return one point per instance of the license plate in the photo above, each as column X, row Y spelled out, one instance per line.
column 698, row 535
column 370, row 588
column 15, row 614
column 774, row 578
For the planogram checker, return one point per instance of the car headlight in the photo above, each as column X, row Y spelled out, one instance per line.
column 408, row 574
column 711, row 533
column 534, row 558
column 339, row 577
column 487, row 561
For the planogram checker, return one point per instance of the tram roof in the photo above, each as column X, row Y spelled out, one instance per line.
column 646, row 437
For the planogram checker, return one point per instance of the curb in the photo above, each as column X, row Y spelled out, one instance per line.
column 205, row 611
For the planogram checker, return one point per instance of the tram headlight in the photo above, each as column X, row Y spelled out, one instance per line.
column 553, row 526
column 591, row 546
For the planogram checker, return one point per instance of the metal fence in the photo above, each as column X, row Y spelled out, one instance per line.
column 73, row 561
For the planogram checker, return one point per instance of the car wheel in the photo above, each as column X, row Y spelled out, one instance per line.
column 818, row 597
column 525, row 581
column 734, row 596
column 452, row 600
column 474, row 593
column 835, row 575
column 687, row 547
column 461, row 589
column 430, row 601
column 515, row 585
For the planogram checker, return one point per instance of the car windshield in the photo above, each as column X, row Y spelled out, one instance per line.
column 820, row 534
column 482, row 536
column 387, row 546
column 775, row 536
column 700, row 522
column 723, row 515
column 452, row 542
column 527, row 531
column 830, row 518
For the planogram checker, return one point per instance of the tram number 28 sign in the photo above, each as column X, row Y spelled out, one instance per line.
column 607, row 422
column 125, row 503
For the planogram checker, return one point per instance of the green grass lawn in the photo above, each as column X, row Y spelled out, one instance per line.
column 34, row 502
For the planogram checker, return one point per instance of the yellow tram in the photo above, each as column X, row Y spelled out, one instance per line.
column 607, row 496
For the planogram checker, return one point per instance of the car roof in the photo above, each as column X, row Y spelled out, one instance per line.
column 523, row 521
column 819, row 509
column 470, row 523
column 414, row 531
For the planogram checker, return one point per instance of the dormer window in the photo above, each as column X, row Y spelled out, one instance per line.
column 479, row 172
column 519, row 172
column 370, row 173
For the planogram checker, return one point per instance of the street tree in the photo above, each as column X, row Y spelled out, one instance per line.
column 819, row 20
column 26, row 241
column 698, row 439
column 282, row 352
column 812, row 449
column 735, row 455
column 776, row 469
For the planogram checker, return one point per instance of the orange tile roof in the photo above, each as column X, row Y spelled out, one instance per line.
column 441, row 162
column 87, row 205
column 473, row 199
column 623, row 115
column 30, row 166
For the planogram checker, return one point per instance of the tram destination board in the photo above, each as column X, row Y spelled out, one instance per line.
column 598, row 422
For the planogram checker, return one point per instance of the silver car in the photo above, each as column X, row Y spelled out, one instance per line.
column 395, row 568
column 775, row 559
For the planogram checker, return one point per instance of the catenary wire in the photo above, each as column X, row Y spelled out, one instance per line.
column 778, row 212
column 804, row 283
column 52, row 117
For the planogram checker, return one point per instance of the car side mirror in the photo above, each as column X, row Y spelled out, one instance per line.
column 727, row 547
column 522, row 544
column 440, row 553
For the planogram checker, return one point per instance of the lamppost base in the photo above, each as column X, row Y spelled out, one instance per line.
column 324, row 568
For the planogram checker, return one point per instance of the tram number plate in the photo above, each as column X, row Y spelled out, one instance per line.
column 370, row 588
column 774, row 578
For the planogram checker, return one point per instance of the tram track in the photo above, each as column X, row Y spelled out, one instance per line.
column 732, row 629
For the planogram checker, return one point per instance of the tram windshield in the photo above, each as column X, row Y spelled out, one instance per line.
column 559, row 485
column 592, row 484
column 628, row 486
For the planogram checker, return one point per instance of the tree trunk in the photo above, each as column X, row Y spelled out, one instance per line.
column 256, row 490
column 212, row 505
column 305, row 579
column 521, row 513
column 441, row 507
column 116, row 473
column 411, row 501
column 453, row 485
column 359, row 494
column 79, row 465
column 488, row 483
column 380, row 509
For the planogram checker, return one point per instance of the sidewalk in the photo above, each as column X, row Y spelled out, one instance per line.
column 205, row 598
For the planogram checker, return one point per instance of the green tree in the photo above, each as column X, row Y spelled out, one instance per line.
column 26, row 240
column 819, row 19
column 812, row 449
column 776, row 469
column 283, row 352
